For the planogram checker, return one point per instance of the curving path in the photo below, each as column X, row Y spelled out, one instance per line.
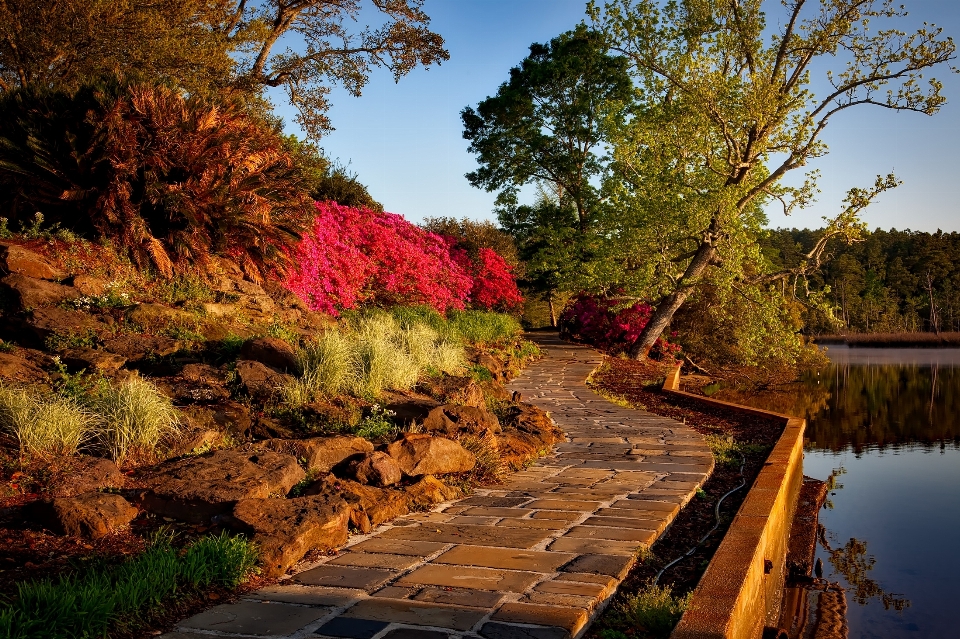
column 534, row 558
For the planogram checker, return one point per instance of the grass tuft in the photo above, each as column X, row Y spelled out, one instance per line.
column 652, row 612
column 44, row 424
column 134, row 416
column 89, row 604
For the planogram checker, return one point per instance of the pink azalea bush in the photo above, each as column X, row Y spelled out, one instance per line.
column 355, row 256
column 596, row 320
column 494, row 286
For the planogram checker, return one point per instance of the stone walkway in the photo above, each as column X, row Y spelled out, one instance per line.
column 535, row 558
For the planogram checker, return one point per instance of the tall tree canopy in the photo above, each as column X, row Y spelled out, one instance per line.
column 724, row 112
column 544, row 123
column 213, row 46
column 544, row 127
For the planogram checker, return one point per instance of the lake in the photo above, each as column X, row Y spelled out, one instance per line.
column 884, row 430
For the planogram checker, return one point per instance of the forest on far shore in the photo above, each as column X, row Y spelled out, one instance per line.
column 890, row 282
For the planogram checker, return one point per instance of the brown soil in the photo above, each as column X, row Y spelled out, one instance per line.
column 639, row 384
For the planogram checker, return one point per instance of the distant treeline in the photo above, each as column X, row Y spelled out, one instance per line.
column 893, row 281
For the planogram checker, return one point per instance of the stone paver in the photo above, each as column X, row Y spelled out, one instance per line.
column 533, row 558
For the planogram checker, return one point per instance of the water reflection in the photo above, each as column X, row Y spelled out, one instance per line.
column 858, row 406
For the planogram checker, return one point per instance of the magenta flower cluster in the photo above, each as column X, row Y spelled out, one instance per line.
column 606, row 324
column 355, row 256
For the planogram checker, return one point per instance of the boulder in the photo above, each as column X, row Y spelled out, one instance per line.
column 93, row 514
column 16, row 259
column 451, row 389
column 31, row 293
column 320, row 454
column 199, row 488
column 430, row 491
column 138, row 347
column 408, row 407
column 259, row 380
column 87, row 474
column 374, row 469
column 200, row 383
column 286, row 529
column 156, row 315
column 233, row 417
column 493, row 365
column 89, row 285
column 271, row 351
column 93, row 360
column 451, row 419
column 372, row 506
column 427, row 455
column 50, row 321
column 18, row 369
column 214, row 309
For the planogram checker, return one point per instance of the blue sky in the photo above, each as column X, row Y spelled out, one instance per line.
column 404, row 140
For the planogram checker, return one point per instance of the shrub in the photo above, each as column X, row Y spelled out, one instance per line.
column 44, row 424
column 609, row 325
column 134, row 415
column 484, row 328
column 172, row 180
column 88, row 604
column 357, row 255
column 493, row 284
column 652, row 611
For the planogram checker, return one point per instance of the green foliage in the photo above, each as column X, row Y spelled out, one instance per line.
column 92, row 601
column 490, row 467
column 890, row 282
column 651, row 612
column 134, row 416
column 544, row 126
column 484, row 328
column 184, row 289
column 45, row 424
column 172, row 180
column 377, row 425
column 719, row 95
column 729, row 452
column 343, row 187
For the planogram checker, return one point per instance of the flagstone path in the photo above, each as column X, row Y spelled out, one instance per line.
column 536, row 558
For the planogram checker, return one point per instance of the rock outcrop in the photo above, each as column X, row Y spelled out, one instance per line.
column 320, row 454
column 374, row 469
column 286, row 529
column 93, row 514
column 271, row 351
column 197, row 489
column 427, row 455
column 452, row 420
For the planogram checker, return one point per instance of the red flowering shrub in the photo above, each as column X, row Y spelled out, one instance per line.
column 356, row 255
column 596, row 321
column 494, row 287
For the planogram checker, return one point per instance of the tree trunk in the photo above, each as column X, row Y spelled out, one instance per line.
column 553, row 311
column 670, row 304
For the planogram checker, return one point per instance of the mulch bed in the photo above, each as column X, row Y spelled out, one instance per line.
column 639, row 384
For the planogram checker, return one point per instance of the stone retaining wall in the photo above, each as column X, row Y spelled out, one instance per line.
column 740, row 593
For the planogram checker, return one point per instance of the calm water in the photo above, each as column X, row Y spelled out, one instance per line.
column 884, row 428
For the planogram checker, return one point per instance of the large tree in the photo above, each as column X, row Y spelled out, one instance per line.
column 725, row 111
column 211, row 47
column 544, row 127
column 544, row 124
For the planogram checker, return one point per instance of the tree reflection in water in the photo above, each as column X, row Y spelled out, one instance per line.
column 863, row 407
column 853, row 563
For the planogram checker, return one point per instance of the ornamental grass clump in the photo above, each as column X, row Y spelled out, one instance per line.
column 134, row 416
column 45, row 424
column 484, row 328
column 369, row 354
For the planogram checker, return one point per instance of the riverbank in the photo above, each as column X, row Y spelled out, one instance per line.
column 892, row 340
